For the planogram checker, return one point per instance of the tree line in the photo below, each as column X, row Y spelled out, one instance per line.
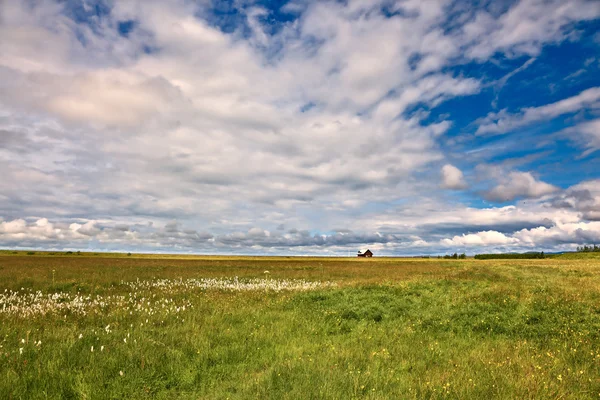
column 454, row 256
column 509, row 255
column 588, row 249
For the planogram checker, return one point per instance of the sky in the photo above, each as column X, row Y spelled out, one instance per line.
column 300, row 127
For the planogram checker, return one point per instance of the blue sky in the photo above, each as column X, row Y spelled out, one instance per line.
column 300, row 127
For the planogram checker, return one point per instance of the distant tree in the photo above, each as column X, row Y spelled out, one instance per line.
column 510, row 256
column 588, row 249
column 128, row 254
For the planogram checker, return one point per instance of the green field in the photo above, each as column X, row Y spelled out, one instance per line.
column 136, row 327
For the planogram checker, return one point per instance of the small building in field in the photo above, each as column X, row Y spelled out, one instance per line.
column 365, row 253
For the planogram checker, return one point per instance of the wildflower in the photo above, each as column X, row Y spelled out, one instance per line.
column 121, row 373
column 101, row 348
column 81, row 336
column 20, row 350
column 92, row 349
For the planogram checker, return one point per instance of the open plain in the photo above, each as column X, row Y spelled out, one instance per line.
column 140, row 326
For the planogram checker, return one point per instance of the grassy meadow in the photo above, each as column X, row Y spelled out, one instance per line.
column 136, row 327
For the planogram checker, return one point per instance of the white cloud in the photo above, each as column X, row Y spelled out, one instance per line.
column 560, row 235
column 583, row 197
column 519, row 184
column 525, row 27
column 503, row 122
column 485, row 238
column 452, row 178
column 587, row 134
column 581, row 233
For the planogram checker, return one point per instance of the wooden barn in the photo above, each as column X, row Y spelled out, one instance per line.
column 365, row 253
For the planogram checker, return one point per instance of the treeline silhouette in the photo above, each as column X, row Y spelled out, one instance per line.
column 588, row 249
column 508, row 255
column 454, row 256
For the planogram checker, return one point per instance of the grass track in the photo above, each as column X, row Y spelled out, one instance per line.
column 392, row 328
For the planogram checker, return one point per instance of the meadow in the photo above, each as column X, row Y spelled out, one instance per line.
column 98, row 326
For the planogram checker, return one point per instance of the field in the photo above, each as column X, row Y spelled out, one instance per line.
column 135, row 327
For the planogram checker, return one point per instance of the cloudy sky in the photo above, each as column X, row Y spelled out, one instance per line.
column 299, row 127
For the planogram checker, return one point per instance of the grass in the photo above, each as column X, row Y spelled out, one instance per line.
column 389, row 328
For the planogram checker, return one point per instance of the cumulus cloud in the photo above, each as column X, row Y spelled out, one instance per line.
column 565, row 236
column 583, row 197
column 575, row 233
column 485, row 238
column 517, row 185
column 57, row 235
column 452, row 178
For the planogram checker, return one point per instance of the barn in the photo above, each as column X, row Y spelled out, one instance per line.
column 365, row 253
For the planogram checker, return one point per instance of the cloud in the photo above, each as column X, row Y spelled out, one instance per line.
column 332, row 119
column 485, row 238
column 503, row 121
column 537, row 238
column 518, row 185
column 524, row 27
column 583, row 197
column 575, row 233
column 452, row 178
column 587, row 134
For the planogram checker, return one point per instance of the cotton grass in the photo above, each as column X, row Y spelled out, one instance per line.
column 141, row 298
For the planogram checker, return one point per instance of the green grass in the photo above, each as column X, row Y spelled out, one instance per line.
column 391, row 328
